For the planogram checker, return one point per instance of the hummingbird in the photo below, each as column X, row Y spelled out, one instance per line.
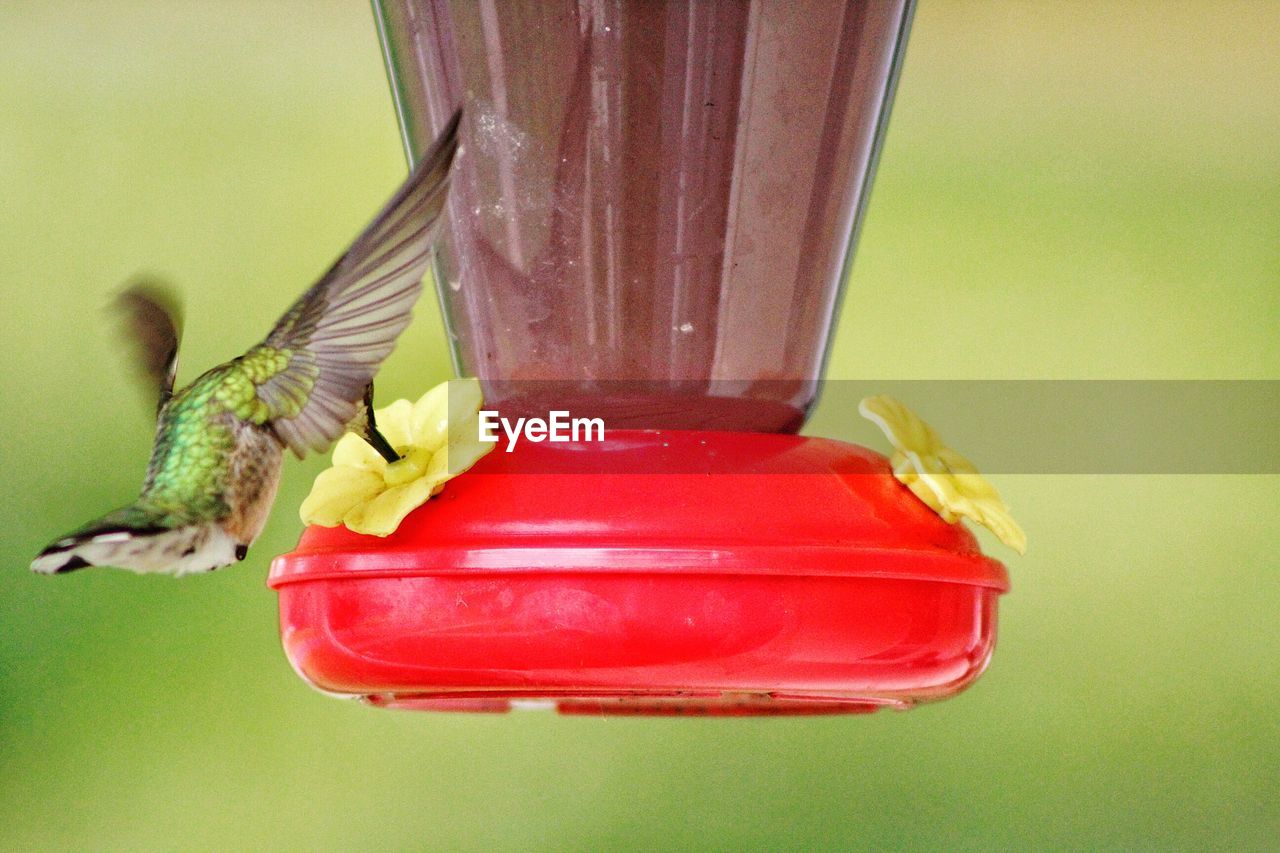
column 220, row 441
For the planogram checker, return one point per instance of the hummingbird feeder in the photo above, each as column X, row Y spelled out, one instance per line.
column 650, row 224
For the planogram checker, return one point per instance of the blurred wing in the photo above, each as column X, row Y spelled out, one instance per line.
column 153, row 321
column 311, row 371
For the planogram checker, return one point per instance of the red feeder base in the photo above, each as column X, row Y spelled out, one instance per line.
column 655, row 573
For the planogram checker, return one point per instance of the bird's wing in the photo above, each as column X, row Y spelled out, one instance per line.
column 154, row 322
column 311, row 372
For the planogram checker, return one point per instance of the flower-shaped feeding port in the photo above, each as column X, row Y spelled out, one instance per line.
column 437, row 439
column 942, row 478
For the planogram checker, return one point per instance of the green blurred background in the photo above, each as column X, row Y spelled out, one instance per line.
column 1069, row 190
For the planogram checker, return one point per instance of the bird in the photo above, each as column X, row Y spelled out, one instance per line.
column 220, row 441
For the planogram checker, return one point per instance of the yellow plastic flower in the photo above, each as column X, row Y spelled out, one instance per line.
column 369, row 495
column 939, row 476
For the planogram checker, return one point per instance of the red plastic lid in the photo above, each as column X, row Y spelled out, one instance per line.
column 657, row 572
column 664, row 502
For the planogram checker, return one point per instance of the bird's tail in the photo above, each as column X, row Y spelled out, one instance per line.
column 105, row 541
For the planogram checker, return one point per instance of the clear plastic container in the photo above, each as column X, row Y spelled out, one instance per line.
column 657, row 202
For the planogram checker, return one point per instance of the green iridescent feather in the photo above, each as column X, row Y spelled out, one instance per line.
column 194, row 439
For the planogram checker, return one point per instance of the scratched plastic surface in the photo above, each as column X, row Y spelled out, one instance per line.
column 657, row 573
